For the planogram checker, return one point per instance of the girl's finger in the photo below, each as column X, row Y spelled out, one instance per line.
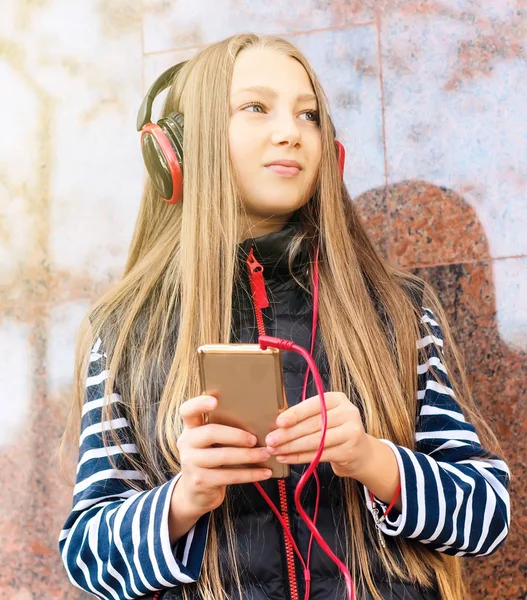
column 192, row 410
column 234, row 476
column 308, row 408
column 334, row 454
column 310, row 425
column 310, row 443
column 213, row 433
column 214, row 458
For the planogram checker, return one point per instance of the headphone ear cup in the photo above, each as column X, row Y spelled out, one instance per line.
column 341, row 157
column 172, row 125
column 162, row 149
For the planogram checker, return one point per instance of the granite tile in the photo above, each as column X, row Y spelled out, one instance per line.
column 155, row 64
column 169, row 26
column 433, row 225
column 20, row 180
column 510, row 281
column 498, row 377
column 346, row 62
column 16, row 372
column 94, row 199
column 372, row 207
column 454, row 85
column 62, row 327
column 21, row 373
column 24, row 282
column 35, row 499
column 35, row 503
column 89, row 163
column 73, row 192
column 468, row 10
column 417, row 223
column 40, row 284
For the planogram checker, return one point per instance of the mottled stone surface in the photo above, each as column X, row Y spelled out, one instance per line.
column 498, row 376
column 429, row 99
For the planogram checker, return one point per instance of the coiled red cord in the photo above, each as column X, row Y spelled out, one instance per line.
column 266, row 341
column 287, row 345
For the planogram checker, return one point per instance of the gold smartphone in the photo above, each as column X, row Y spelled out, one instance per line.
column 249, row 385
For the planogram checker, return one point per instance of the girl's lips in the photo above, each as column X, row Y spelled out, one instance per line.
column 284, row 171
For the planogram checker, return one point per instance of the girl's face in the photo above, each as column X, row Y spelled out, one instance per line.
column 274, row 120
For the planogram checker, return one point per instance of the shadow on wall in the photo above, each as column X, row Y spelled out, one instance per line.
column 436, row 235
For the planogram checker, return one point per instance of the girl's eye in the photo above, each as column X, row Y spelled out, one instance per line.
column 312, row 115
column 254, row 105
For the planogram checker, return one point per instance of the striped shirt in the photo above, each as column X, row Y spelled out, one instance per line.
column 115, row 542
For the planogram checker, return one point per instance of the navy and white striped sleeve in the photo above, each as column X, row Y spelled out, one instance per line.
column 454, row 493
column 115, row 542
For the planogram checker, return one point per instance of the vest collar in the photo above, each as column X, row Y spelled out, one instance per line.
column 271, row 251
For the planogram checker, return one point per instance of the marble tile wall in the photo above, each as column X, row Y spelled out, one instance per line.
column 429, row 99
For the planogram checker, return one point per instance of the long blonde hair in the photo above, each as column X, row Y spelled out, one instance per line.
column 176, row 294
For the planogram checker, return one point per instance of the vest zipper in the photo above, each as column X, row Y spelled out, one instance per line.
column 260, row 301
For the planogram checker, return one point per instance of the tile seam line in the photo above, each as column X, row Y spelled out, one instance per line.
column 464, row 262
column 387, row 196
column 282, row 34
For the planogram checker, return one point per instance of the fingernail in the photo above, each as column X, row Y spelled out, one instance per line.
column 264, row 454
column 270, row 440
column 281, row 458
column 211, row 402
column 282, row 422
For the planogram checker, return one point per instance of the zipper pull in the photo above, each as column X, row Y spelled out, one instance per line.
column 375, row 512
column 257, row 281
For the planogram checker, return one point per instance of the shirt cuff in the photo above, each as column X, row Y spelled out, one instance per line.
column 394, row 521
column 185, row 559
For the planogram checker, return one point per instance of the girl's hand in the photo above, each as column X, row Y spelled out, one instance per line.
column 347, row 446
column 209, row 455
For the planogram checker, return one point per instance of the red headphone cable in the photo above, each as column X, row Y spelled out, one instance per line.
column 266, row 341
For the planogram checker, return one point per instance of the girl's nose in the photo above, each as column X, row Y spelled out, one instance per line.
column 286, row 132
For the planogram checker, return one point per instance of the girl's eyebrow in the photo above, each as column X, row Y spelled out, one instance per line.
column 262, row 89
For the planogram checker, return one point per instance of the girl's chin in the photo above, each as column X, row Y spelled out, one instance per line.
column 277, row 205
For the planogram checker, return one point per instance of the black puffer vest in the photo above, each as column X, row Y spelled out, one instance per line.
column 265, row 570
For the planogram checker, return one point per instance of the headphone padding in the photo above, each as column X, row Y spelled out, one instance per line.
column 172, row 125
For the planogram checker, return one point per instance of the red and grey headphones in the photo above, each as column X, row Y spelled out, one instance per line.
column 162, row 142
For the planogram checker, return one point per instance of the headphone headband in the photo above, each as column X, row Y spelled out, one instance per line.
column 144, row 114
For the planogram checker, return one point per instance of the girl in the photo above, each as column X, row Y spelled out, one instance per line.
column 409, row 478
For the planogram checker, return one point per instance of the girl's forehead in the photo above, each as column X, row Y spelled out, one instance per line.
column 265, row 70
